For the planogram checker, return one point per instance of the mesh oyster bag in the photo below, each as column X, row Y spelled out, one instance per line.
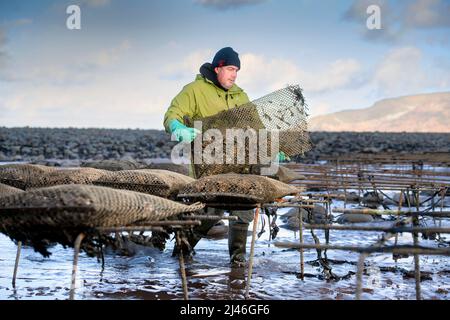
column 60, row 213
column 6, row 190
column 113, row 165
column 23, row 176
column 182, row 169
column 27, row 176
column 67, row 176
column 162, row 183
column 284, row 111
column 231, row 189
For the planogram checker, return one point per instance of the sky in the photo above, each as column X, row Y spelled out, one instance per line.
column 128, row 60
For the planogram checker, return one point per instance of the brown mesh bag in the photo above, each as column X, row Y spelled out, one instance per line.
column 67, row 176
column 27, row 176
column 113, row 165
column 283, row 110
column 6, row 190
column 161, row 183
column 60, row 213
column 170, row 167
column 283, row 174
column 24, row 176
column 230, row 190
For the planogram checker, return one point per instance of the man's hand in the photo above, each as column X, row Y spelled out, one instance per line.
column 181, row 132
column 281, row 156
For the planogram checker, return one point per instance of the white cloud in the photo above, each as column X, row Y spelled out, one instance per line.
column 138, row 101
column 72, row 69
column 339, row 74
column 87, row 90
column 109, row 57
column 401, row 72
column 320, row 107
column 188, row 67
column 98, row 89
column 261, row 74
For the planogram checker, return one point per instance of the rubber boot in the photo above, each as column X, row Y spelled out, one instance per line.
column 237, row 241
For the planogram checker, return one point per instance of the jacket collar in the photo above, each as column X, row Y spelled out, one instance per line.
column 209, row 75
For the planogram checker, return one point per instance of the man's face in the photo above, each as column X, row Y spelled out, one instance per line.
column 226, row 75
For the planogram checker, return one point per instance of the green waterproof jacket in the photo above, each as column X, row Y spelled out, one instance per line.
column 202, row 98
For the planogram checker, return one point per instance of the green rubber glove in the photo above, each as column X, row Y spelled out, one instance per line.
column 281, row 156
column 181, row 132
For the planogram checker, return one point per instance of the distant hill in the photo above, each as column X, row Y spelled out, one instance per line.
column 416, row 113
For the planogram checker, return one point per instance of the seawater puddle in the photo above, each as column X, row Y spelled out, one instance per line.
column 151, row 274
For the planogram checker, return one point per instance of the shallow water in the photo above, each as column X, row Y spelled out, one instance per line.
column 151, row 274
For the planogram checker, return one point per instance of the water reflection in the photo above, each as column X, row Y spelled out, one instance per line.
column 152, row 274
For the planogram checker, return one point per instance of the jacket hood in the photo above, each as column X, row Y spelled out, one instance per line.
column 207, row 72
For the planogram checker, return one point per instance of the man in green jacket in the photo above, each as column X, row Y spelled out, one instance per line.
column 212, row 91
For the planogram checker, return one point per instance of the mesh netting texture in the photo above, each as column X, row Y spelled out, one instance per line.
column 117, row 165
column 23, row 176
column 230, row 190
column 6, row 190
column 113, row 165
column 60, row 213
column 284, row 111
column 157, row 182
column 66, row 176
column 183, row 169
column 27, row 176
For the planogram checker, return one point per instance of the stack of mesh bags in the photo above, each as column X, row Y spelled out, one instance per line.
column 59, row 203
column 283, row 111
column 28, row 176
column 59, row 213
column 162, row 183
